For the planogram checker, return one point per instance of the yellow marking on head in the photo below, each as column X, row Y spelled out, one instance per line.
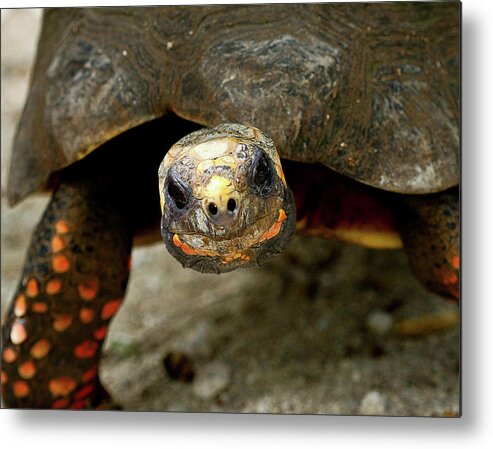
column 213, row 149
column 217, row 187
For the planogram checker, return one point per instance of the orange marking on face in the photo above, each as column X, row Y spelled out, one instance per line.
column 100, row 333
column 40, row 349
column 60, row 403
column 9, row 355
column 32, row 288
column 18, row 333
column 88, row 289
column 455, row 262
column 20, row 307
column 62, row 322
column 27, row 370
column 84, row 392
column 90, row 374
column 53, row 286
column 86, row 349
column 62, row 227
column 21, row 389
column 5, row 378
column 61, row 264
column 110, row 308
column 275, row 228
column 61, row 386
column 189, row 250
column 86, row 315
column 58, row 244
column 39, row 307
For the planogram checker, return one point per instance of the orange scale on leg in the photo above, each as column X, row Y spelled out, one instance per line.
column 40, row 349
column 53, row 286
column 86, row 315
column 88, row 290
column 62, row 322
column 86, row 349
column 456, row 262
column 9, row 355
column 5, row 378
column 27, row 370
column 18, row 333
column 61, row 263
column 21, row 389
column 110, row 308
column 39, row 307
column 60, row 403
column 58, row 244
column 20, row 307
column 32, row 288
column 61, row 386
column 62, row 227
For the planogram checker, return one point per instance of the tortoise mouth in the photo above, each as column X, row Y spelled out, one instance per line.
column 230, row 248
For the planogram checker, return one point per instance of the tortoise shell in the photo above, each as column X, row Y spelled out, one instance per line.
column 369, row 90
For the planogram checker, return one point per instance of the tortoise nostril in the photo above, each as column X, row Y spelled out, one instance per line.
column 231, row 205
column 213, row 209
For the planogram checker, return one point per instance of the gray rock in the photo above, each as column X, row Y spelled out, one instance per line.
column 373, row 403
column 379, row 322
column 211, row 380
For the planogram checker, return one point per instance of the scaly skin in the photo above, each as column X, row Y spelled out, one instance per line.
column 430, row 229
column 72, row 285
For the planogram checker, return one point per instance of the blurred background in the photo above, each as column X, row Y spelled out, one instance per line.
column 321, row 329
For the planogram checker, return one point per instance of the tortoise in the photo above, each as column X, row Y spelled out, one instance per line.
column 331, row 120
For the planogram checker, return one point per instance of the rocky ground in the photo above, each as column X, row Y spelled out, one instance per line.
column 319, row 330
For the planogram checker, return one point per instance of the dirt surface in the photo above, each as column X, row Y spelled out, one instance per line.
column 314, row 331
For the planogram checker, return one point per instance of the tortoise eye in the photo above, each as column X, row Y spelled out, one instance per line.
column 262, row 174
column 177, row 191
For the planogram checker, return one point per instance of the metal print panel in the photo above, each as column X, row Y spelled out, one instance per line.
column 308, row 153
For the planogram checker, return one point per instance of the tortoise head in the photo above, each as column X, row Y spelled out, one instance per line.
column 224, row 199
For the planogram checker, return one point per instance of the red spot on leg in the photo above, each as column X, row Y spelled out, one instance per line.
column 78, row 405
column 62, row 227
column 18, row 333
column 53, row 286
column 100, row 333
column 21, row 389
column 27, row 370
column 39, row 307
column 84, row 392
column 62, row 322
column 86, row 315
column 20, row 307
column 455, row 262
column 40, row 349
column 110, row 308
column 88, row 290
column 90, row 374
column 86, row 349
column 61, row 264
column 60, row 403
column 61, row 386
column 9, row 355
column 32, row 288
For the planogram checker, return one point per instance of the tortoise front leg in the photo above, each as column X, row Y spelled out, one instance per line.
column 430, row 230
column 72, row 285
